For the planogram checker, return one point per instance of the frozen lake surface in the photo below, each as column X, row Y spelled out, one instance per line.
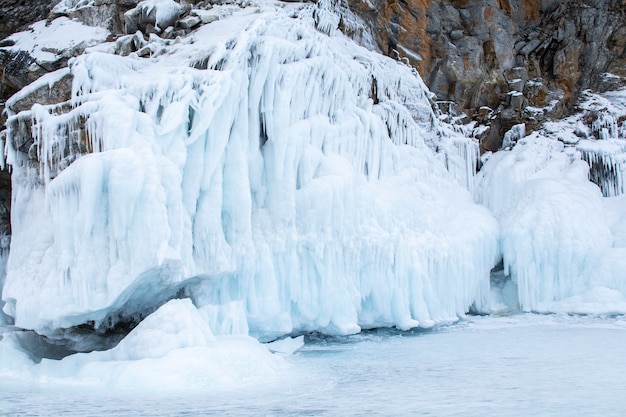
column 517, row 365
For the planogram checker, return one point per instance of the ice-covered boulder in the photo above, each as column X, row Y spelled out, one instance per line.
column 292, row 176
column 158, row 14
column 43, row 48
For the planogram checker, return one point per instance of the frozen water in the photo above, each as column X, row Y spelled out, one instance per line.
column 523, row 365
column 281, row 179
column 607, row 160
column 556, row 228
column 165, row 11
column 300, row 181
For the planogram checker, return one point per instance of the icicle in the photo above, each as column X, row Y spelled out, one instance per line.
column 276, row 175
column 607, row 164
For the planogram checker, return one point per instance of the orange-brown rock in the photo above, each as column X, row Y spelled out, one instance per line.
column 472, row 52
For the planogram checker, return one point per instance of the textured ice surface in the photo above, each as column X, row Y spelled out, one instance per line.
column 562, row 242
column 291, row 174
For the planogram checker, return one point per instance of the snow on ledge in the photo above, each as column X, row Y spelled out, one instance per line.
column 47, row 42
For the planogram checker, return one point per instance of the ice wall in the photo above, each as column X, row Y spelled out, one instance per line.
column 560, row 238
column 284, row 179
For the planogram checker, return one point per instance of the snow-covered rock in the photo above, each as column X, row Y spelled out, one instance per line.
column 160, row 14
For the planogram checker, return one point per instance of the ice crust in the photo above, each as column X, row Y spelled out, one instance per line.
column 292, row 175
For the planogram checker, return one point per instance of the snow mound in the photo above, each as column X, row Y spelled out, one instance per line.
column 172, row 349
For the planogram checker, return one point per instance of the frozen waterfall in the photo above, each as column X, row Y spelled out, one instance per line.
column 286, row 180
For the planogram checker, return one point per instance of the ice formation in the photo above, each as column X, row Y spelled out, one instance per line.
column 562, row 242
column 605, row 149
column 607, row 160
column 283, row 178
column 267, row 176
column 171, row 349
column 163, row 13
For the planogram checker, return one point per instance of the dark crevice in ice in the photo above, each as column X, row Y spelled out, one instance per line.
column 103, row 330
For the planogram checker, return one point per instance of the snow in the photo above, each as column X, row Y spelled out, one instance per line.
column 46, row 42
column 66, row 6
column 607, row 158
column 602, row 142
column 514, row 134
column 165, row 11
column 173, row 348
column 253, row 166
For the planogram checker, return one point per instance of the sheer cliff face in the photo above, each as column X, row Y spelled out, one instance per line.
column 504, row 54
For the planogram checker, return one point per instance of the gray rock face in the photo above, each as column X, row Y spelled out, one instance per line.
column 475, row 53
column 16, row 15
column 108, row 14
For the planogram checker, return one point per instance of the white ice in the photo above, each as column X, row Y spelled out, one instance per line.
column 562, row 242
column 525, row 365
column 291, row 174
column 286, row 180
column 173, row 348
column 165, row 11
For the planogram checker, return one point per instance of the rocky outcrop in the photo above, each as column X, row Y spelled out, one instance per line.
column 130, row 24
column 108, row 14
column 524, row 60
column 16, row 15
